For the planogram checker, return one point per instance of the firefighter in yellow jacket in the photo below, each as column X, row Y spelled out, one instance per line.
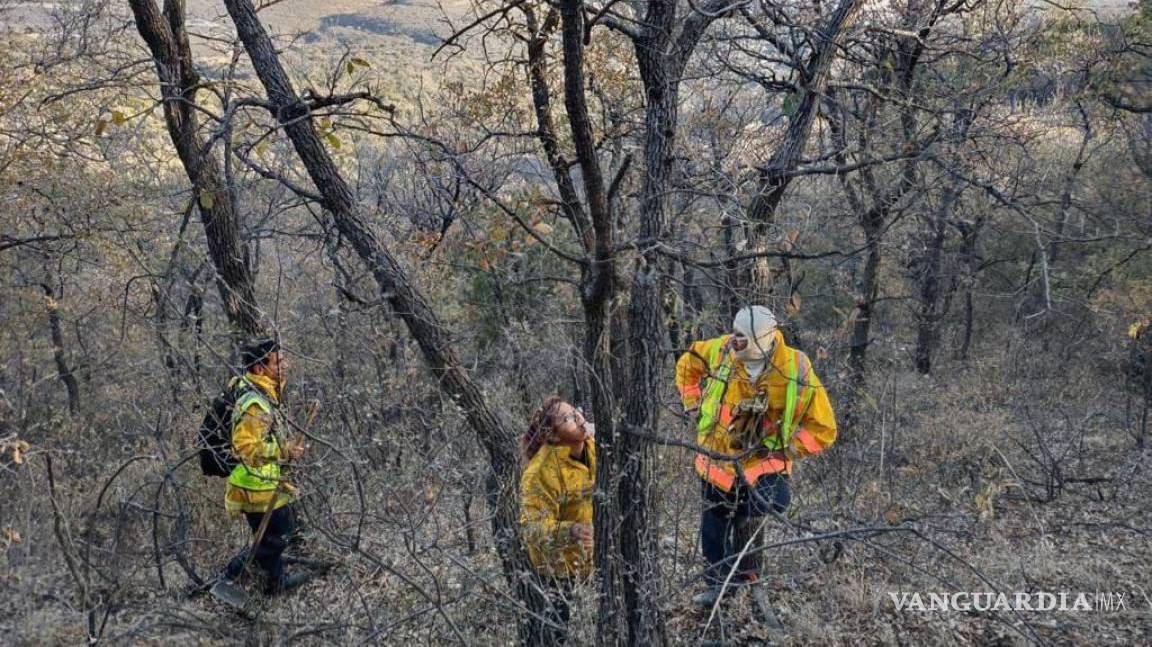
column 759, row 406
column 556, row 508
column 256, row 488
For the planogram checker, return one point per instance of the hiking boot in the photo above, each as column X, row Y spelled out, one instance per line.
column 288, row 582
column 708, row 598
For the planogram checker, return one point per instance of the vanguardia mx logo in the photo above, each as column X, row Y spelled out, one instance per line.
column 1063, row 601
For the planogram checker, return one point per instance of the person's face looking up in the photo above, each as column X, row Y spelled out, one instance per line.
column 569, row 428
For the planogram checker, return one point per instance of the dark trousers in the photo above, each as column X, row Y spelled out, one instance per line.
column 729, row 520
column 551, row 627
column 269, row 552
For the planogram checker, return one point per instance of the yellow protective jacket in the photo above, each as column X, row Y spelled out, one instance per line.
column 711, row 377
column 257, row 443
column 555, row 493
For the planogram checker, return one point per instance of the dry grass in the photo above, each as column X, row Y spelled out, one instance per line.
column 952, row 473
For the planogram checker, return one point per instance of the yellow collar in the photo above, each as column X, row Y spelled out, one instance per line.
column 564, row 452
column 265, row 384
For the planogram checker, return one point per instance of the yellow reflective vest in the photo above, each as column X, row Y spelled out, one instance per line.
column 555, row 493
column 257, row 443
column 797, row 418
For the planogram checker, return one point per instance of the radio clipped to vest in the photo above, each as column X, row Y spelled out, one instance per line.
column 748, row 426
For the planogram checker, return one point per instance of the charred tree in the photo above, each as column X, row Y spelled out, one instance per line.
column 494, row 433
column 59, row 355
column 778, row 172
column 897, row 60
column 167, row 39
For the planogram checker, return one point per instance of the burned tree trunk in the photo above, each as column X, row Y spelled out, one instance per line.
column 867, row 288
column 969, row 236
column 625, row 532
column 592, row 224
column 663, row 45
column 599, row 287
column 167, row 40
column 494, row 433
column 777, row 173
column 59, row 356
column 928, row 274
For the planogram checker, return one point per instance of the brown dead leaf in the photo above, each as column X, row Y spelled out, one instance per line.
column 894, row 515
column 19, row 448
column 793, row 306
column 789, row 242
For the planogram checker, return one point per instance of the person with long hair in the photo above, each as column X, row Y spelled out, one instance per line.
column 556, row 509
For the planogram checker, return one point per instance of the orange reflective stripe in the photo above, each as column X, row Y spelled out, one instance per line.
column 690, row 392
column 769, row 465
column 808, row 441
column 725, row 415
column 714, row 473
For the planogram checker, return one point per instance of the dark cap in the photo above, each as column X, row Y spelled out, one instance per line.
column 257, row 351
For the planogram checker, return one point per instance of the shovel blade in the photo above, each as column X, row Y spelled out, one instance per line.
column 230, row 593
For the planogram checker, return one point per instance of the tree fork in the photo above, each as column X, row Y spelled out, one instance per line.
column 494, row 433
column 775, row 176
column 167, row 40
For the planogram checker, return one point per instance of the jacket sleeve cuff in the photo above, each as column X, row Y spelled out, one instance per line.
column 806, row 442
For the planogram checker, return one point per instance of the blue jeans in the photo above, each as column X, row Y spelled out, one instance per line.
column 728, row 516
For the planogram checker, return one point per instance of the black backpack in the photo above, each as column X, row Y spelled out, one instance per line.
column 215, row 435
